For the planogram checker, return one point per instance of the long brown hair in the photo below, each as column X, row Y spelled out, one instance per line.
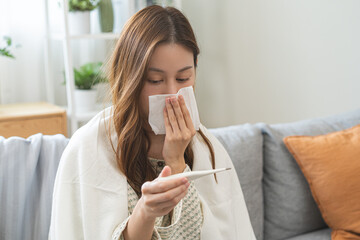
column 127, row 70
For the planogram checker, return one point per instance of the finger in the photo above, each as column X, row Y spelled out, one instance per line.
column 186, row 114
column 172, row 196
column 178, row 113
column 164, row 211
column 165, row 172
column 160, row 186
column 169, row 205
column 161, row 201
column 168, row 128
column 172, row 117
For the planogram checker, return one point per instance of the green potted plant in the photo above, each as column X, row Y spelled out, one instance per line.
column 106, row 15
column 86, row 77
column 7, row 59
column 5, row 51
column 79, row 15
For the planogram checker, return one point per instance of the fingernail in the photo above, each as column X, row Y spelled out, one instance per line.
column 184, row 180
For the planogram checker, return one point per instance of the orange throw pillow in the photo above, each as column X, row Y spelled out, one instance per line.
column 331, row 165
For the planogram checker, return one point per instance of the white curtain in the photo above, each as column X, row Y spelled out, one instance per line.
column 22, row 79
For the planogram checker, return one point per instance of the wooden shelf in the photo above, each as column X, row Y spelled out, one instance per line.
column 26, row 119
column 109, row 36
column 86, row 116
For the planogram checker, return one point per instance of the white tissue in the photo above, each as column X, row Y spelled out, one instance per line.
column 157, row 105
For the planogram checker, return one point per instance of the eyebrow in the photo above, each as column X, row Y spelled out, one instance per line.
column 162, row 71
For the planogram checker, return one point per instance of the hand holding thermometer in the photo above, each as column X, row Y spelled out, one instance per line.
column 193, row 175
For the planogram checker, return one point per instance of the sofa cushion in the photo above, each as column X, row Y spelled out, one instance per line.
column 290, row 209
column 331, row 165
column 244, row 145
column 323, row 234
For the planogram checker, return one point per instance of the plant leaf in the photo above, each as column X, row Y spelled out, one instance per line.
column 8, row 40
column 88, row 75
column 6, row 53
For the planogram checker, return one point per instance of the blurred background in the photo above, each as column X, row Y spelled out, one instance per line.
column 270, row 61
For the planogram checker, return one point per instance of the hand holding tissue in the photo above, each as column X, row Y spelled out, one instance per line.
column 157, row 105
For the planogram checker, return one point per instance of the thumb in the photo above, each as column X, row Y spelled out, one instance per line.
column 165, row 172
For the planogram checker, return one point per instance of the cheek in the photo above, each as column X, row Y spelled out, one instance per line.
column 191, row 82
column 144, row 102
column 145, row 106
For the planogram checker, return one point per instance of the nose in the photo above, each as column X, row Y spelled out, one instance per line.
column 172, row 87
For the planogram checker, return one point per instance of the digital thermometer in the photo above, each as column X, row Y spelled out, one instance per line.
column 194, row 174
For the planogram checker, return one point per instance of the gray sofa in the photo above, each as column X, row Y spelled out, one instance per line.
column 276, row 193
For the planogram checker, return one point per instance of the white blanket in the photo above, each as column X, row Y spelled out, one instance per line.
column 90, row 192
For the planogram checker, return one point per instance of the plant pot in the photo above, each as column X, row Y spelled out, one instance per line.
column 79, row 22
column 106, row 15
column 103, row 92
column 85, row 100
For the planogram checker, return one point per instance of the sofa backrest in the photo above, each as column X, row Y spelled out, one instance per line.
column 27, row 174
column 244, row 145
column 290, row 209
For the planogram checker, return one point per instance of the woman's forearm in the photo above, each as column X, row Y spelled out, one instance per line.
column 177, row 165
column 158, row 199
column 139, row 227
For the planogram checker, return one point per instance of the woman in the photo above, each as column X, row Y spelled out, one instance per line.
column 107, row 183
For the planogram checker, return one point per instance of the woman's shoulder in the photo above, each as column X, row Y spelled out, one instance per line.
column 215, row 143
column 95, row 124
column 92, row 130
column 208, row 134
column 89, row 148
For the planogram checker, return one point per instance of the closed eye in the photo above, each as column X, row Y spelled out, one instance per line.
column 159, row 81
column 155, row 81
column 182, row 79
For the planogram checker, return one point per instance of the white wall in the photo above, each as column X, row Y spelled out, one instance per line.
column 261, row 61
column 276, row 61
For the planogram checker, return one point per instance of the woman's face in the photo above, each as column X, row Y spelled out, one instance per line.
column 171, row 67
